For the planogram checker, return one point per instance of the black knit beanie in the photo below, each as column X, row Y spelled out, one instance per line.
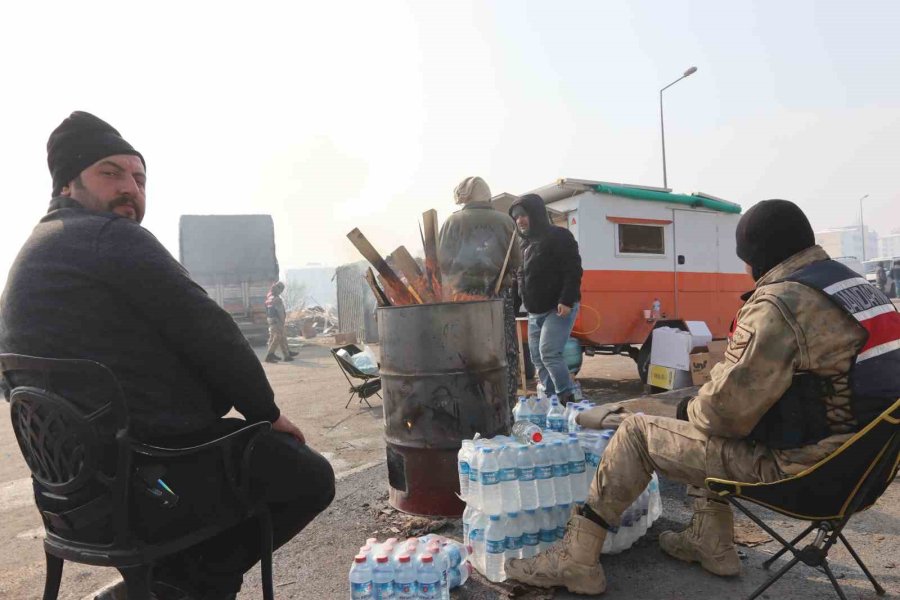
column 80, row 141
column 770, row 233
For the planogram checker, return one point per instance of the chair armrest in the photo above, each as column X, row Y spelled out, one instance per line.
column 249, row 431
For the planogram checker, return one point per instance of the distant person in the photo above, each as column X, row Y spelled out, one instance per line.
column 91, row 283
column 276, row 315
column 550, row 288
column 473, row 245
column 881, row 280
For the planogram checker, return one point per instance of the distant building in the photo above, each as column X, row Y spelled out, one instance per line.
column 846, row 241
column 319, row 287
column 889, row 245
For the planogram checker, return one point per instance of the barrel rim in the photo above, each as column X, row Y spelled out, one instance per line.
column 485, row 301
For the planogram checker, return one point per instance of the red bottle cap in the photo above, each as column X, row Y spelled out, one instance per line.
column 404, row 558
column 381, row 558
column 359, row 558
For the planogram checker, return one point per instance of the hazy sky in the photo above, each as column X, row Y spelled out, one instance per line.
column 332, row 115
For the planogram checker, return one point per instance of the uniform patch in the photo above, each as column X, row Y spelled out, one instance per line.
column 738, row 342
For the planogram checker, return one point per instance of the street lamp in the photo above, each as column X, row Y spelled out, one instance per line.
column 662, row 126
column 862, row 230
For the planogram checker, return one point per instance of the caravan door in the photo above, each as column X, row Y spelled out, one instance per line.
column 696, row 263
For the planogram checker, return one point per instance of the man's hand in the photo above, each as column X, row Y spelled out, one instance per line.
column 563, row 310
column 285, row 425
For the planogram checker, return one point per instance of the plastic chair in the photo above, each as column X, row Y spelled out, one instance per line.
column 69, row 457
column 827, row 494
column 371, row 384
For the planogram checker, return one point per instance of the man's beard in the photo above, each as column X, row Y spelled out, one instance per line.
column 126, row 201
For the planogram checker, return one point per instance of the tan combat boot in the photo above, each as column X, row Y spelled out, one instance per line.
column 708, row 540
column 573, row 562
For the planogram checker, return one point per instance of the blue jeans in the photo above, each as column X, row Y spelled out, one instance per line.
column 547, row 337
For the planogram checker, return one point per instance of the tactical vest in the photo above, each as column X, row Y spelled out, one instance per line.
column 799, row 417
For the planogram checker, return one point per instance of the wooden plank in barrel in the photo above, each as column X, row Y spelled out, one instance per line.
column 414, row 276
column 394, row 287
column 380, row 297
column 432, row 266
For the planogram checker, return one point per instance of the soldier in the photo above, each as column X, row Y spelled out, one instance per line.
column 810, row 321
column 276, row 316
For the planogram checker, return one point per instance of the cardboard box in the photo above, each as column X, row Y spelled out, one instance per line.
column 703, row 359
column 668, row 378
column 700, row 333
column 671, row 348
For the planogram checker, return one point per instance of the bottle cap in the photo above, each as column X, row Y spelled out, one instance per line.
column 537, row 436
column 487, row 450
column 381, row 558
column 427, row 558
column 404, row 558
column 359, row 558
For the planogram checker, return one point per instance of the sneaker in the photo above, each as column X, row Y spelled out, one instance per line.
column 271, row 358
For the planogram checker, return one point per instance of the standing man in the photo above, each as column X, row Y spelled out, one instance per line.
column 801, row 375
column 472, row 248
column 550, row 288
column 91, row 283
column 276, row 315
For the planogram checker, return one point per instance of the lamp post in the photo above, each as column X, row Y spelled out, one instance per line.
column 662, row 127
column 862, row 229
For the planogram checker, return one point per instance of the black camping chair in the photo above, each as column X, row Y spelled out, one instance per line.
column 827, row 494
column 371, row 384
column 71, row 460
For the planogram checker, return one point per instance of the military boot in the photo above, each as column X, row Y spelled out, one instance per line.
column 573, row 562
column 709, row 539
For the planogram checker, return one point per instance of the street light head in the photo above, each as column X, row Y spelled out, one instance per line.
column 690, row 71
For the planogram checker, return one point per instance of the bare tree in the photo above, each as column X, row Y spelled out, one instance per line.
column 294, row 295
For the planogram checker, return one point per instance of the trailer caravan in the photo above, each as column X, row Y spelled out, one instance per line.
column 641, row 245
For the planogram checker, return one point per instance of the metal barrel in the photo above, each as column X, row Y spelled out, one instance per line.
column 443, row 376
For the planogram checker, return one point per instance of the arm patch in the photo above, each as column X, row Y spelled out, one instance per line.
column 739, row 341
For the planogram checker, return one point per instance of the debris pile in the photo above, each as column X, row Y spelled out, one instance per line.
column 312, row 321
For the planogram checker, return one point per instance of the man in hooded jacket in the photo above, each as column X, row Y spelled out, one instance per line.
column 809, row 318
column 550, row 288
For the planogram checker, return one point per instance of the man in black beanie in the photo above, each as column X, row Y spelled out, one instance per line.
column 813, row 357
column 91, row 283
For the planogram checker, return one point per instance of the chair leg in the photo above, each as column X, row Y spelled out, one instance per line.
column 349, row 400
column 878, row 589
column 265, row 560
column 834, row 582
column 54, row 576
column 784, row 549
column 774, row 578
column 137, row 581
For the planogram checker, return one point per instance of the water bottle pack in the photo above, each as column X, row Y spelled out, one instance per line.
column 424, row 568
column 524, row 487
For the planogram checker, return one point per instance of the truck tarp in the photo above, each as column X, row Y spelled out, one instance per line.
column 228, row 248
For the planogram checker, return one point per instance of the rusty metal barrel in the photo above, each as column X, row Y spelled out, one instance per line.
column 443, row 376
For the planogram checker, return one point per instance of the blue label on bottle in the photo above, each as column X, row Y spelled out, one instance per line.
column 429, row 591
column 531, row 539
column 384, row 590
column 361, row 591
column 559, row 470
column 490, row 477
column 473, row 474
column 548, row 535
column 464, row 467
column 495, row 546
column 508, row 474
column 556, row 424
column 543, row 472
column 560, row 531
column 513, row 543
column 405, row 591
column 476, row 534
column 526, row 474
column 539, row 420
column 576, row 467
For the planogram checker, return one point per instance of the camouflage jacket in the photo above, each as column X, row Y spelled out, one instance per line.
column 784, row 327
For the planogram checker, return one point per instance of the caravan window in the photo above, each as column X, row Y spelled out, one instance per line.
column 640, row 239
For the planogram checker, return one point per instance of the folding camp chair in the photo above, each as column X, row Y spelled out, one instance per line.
column 370, row 385
column 827, row 494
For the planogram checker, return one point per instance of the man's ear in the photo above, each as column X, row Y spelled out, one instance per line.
column 67, row 190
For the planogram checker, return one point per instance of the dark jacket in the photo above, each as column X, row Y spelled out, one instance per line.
column 551, row 265
column 101, row 287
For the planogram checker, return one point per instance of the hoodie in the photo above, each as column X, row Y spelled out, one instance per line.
column 551, row 264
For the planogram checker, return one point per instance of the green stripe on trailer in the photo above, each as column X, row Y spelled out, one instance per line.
column 693, row 201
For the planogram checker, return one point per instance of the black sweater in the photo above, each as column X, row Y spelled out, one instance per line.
column 551, row 264
column 101, row 287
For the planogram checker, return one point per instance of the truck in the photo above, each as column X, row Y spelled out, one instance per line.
column 233, row 258
column 651, row 258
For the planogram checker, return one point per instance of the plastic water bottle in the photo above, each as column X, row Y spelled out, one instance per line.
column 577, row 391
column 514, row 533
column 547, row 525
column 543, row 474
column 361, row 584
column 460, row 575
column 555, row 419
column 464, row 458
column 655, row 509
column 521, row 411
column 539, row 411
column 489, row 475
column 456, row 552
column 468, row 515
column 509, row 484
column 528, row 495
column 476, row 535
column 572, row 426
column 562, row 519
column 442, row 562
column 474, row 496
column 495, row 549
column 383, row 578
column 405, row 579
column 428, row 579
column 591, row 459
column 531, row 532
column 562, row 488
column 576, row 469
column 526, row 432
